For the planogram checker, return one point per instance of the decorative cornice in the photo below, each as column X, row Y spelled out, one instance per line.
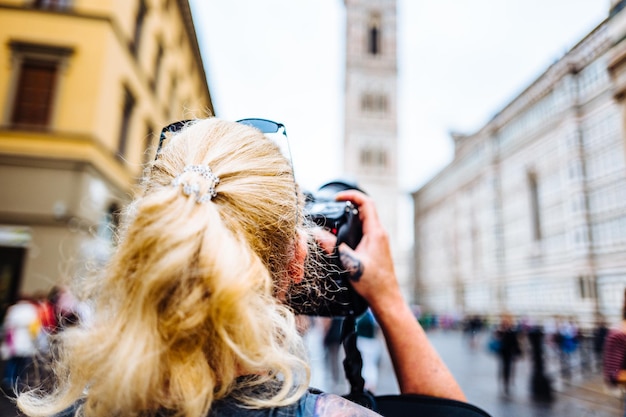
column 596, row 43
column 102, row 158
column 588, row 49
column 619, row 55
column 38, row 48
column 185, row 12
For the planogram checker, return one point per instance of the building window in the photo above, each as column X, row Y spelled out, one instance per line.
column 158, row 60
column 374, row 103
column 53, row 4
column 127, row 111
column 534, row 206
column 586, row 287
column 173, row 105
column 373, row 35
column 365, row 156
column 372, row 157
column 36, row 74
column 139, row 20
column 35, row 91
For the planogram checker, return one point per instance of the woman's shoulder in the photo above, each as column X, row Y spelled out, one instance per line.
column 333, row 405
column 312, row 404
column 616, row 334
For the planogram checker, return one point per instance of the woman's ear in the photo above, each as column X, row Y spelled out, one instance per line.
column 296, row 266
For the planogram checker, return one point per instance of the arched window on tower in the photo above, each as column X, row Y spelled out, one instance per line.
column 374, row 103
column 374, row 35
column 373, row 157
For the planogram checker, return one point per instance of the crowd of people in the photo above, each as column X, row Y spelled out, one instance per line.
column 27, row 329
column 555, row 348
column 557, row 343
column 565, row 348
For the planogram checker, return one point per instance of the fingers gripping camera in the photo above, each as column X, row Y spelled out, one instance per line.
column 331, row 295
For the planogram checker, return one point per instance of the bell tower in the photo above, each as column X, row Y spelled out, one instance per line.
column 370, row 126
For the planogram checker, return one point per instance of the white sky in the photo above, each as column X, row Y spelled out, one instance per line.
column 460, row 62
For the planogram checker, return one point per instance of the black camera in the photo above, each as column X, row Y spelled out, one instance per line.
column 332, row 295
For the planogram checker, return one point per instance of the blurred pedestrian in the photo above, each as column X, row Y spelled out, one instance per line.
column 47, row 315
column 22, row 326
column 473, row 326
column 509, row 350
column 549, row 332
column 567, row 340
column 540, row 383
column 614, row 363
column 600, row 332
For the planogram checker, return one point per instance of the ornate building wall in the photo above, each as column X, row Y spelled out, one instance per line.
column 530, row 216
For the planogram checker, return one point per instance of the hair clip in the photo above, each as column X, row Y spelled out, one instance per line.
column 194, row 185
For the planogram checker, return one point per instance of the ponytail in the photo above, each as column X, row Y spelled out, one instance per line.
column 185, row 312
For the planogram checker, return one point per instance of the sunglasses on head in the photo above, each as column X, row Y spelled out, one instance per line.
column 264, row 125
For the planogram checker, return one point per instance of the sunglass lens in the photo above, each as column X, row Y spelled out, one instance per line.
column 265, row 126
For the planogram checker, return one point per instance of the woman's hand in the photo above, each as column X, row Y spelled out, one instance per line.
column 370, row 264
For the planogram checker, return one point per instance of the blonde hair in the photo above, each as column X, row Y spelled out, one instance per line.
column 186, row 313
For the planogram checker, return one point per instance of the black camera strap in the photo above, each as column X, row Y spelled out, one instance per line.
column 353, row 364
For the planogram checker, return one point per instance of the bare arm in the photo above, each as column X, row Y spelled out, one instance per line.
column 419, row 368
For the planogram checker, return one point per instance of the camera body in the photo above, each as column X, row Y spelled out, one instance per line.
column 341, row 218
column 334, row 296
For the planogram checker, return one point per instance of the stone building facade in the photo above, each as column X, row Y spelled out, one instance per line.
column 85, row 87
column 530, row 216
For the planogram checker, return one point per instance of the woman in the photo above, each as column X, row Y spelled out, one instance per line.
column 614, row 363
column 509, row 351
column 189, row 318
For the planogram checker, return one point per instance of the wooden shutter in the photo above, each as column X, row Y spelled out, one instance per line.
column 35, row 92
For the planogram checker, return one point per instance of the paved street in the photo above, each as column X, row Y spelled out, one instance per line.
column 476, row 371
